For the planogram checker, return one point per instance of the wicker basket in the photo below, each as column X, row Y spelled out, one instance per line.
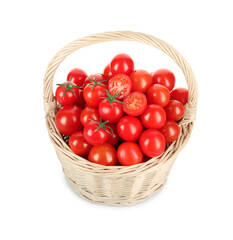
column 117, row 185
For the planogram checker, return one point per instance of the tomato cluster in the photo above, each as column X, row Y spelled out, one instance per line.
column 120, row 117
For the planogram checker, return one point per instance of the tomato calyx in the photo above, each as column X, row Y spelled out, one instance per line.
column 69, row 87
column 111, row 98
column 94, row 82
column 101, row 124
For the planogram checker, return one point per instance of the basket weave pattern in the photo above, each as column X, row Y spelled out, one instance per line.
column 117, row 185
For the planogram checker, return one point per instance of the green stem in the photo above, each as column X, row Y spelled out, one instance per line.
column 68, row 87
column 111, row 99
column 101, row 124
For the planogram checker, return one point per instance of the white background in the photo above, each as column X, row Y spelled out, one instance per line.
column 36, row 201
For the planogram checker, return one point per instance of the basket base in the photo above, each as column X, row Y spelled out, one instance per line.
column 106, row 201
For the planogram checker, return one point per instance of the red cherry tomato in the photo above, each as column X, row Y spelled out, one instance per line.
column 158, row 94
column 120, row 84
column 92, row 94
column 129, row 128
column 180, row 94
column 164, row 77
column 135, row 104
column 129, row 153
column 110, row 111
column 175, row 110
column 141, row 80
column 122, row 63
column 96, row 133
column 104, row 154
column 153, row 117
column 114, row 137
column 89, row 113
column 107, row 72
column 152, row 143
column 68, row 119
column 78, row 144
column 98, row 77
column 67, row 93
column 77, row 76
column 170, row 131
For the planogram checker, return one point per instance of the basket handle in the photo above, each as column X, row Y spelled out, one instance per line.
column 49, row 102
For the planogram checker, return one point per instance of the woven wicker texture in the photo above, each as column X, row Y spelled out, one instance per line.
column 117, row 185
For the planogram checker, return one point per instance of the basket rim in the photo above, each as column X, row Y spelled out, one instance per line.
column 186, row 124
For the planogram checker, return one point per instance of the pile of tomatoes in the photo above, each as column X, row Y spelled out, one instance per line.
column 122, row 116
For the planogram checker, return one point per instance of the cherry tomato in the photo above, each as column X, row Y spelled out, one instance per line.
column 97, row 77
column 122, row 63
column 129, row 128
column 67, row 93
column 120, row 84
column 180, row 94
column 141, row 80
column 93, row 92
column 135, row 104
column 78, row 144
column 164, row 77
column 104, row 154
column 114, row 137
column 96, row 133
column 68, row 119
column 107, row 72
column 175, row 110
column 170, row 131
column 89, row 113
column 153, row 117
column 158, row 94
column 129, row 153
column 152, row 143
column 110, row 111
column 77, row 76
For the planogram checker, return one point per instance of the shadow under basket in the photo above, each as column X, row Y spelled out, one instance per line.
column 117, row 185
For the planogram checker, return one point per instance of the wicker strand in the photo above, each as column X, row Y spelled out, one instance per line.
column 117, row 185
